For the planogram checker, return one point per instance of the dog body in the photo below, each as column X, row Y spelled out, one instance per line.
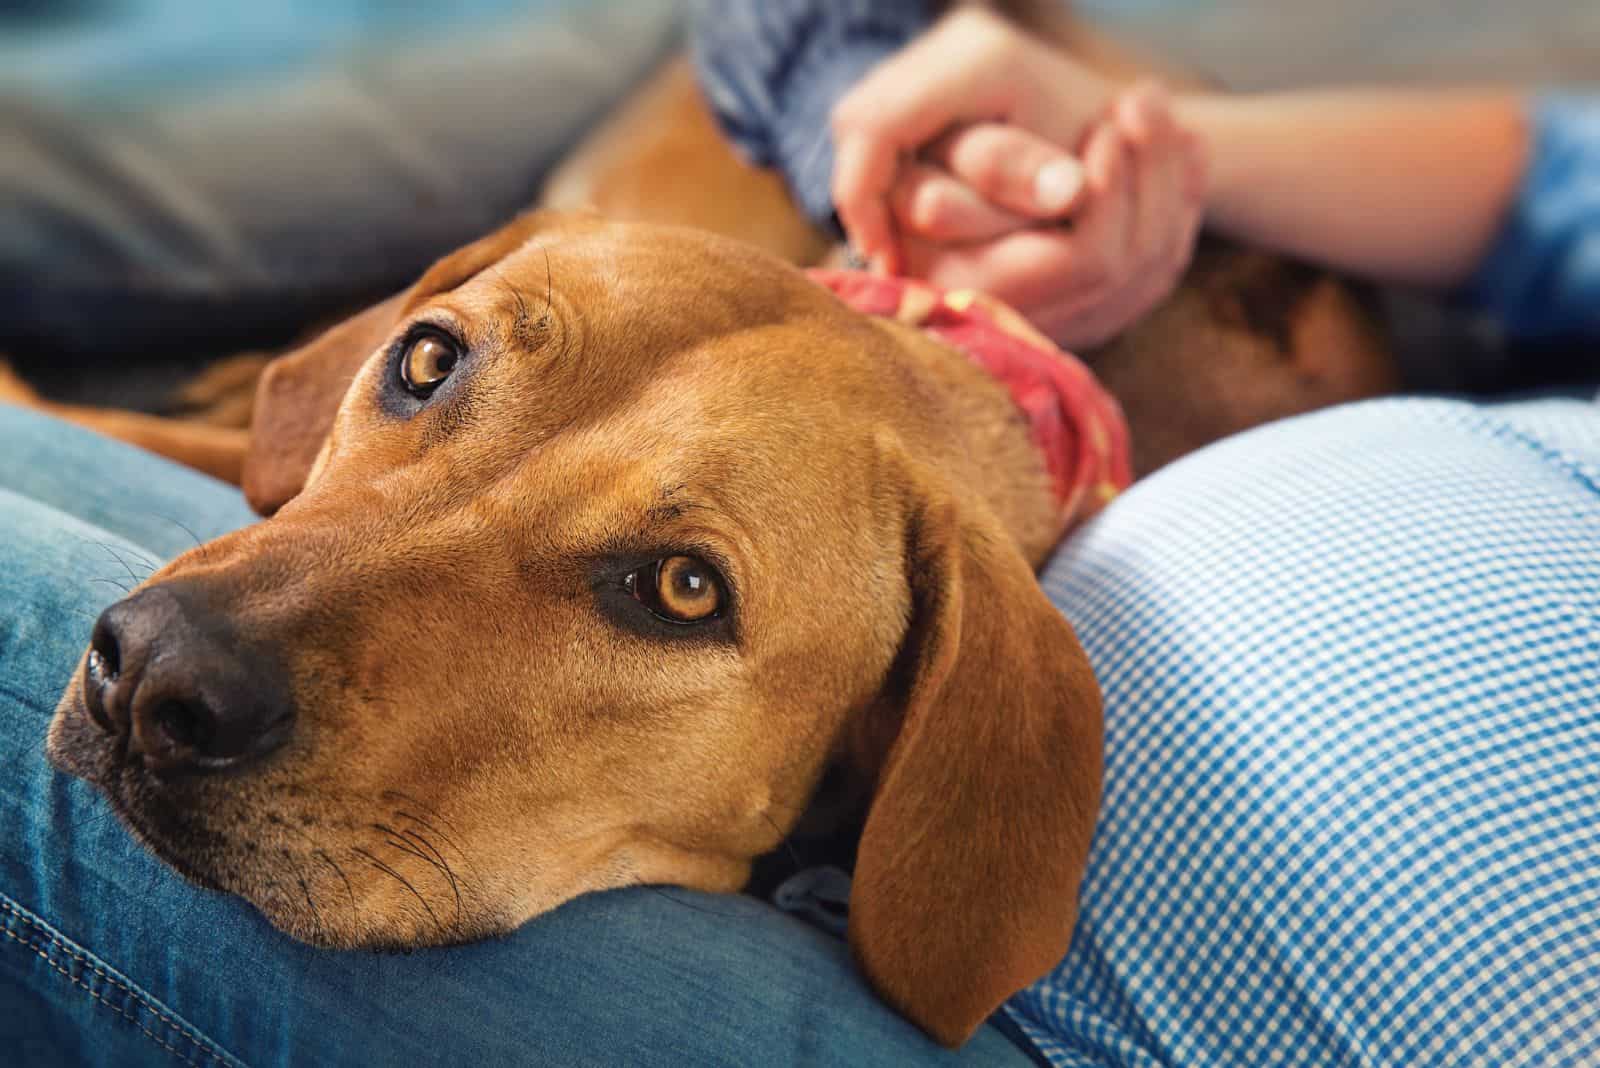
column 431, row 699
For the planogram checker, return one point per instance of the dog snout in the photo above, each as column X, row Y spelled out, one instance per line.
column 170, row 678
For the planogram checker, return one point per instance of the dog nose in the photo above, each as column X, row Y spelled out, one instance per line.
column 171, row 678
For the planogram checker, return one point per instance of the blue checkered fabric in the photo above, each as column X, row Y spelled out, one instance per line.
column 1351, row 665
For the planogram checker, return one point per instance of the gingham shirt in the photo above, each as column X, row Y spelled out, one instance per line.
column 1351, row 666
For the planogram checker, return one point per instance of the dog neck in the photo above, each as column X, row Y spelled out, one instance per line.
column 1073, row 424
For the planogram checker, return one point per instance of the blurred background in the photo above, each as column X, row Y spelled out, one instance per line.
column 182, row 179
column 1259, row 44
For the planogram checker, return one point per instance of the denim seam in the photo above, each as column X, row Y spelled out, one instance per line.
column 199, row 1044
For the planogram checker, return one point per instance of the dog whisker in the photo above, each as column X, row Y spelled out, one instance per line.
column 430, row 810
column 449, row 872
column 118, row 555
column 112, row 582
column 322, row 855
column 794, row 854
column 403, row 881
column 401, row 813
column 449, row 839
column 119, row 558
column 150, row 563
column 177, row 523
column 549, row 286
column 305, row 891
column 133, row 578
column 277, row 820
column 413, row 836
column 439, row 865
column 693, row 908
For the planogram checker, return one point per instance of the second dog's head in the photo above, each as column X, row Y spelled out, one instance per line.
column 619, row 538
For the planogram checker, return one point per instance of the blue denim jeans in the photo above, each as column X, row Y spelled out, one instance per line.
column 109, row 958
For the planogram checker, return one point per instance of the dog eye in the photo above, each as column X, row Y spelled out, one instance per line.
column 427, row 361
column 679, row 589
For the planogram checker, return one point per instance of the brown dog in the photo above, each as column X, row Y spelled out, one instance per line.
column 441, row 681
column 621, row 537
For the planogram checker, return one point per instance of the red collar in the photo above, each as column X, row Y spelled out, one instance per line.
column 1076, row 423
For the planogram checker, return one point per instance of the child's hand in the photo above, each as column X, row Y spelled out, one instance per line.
column 972, row 66
column 1131, row 235
column 983, row 181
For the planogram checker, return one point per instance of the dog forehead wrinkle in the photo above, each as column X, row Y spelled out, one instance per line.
column 619, row 506
column 530, row 324
column 669, row 509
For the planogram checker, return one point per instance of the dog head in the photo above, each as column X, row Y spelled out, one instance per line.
column 618, row 538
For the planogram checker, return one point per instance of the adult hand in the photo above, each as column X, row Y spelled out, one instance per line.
column 973, row 66
column 1124, row 251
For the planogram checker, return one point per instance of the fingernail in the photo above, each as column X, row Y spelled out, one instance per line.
column 879, row 263
column 1057, row 184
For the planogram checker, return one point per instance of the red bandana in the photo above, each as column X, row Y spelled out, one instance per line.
column 1076, row 423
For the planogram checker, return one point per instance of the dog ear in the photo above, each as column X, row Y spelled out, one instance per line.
column 976, row 840
column 299, row 393
column 296, row 399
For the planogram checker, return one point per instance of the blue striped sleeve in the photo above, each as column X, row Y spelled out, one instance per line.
column 772, row 71
column 1541, row 280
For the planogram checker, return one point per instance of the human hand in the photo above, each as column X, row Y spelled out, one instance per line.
column 973, row 66
column 1130, row 240
column 981, row 182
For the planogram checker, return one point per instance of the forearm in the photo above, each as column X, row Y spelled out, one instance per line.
column 1407, row 187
